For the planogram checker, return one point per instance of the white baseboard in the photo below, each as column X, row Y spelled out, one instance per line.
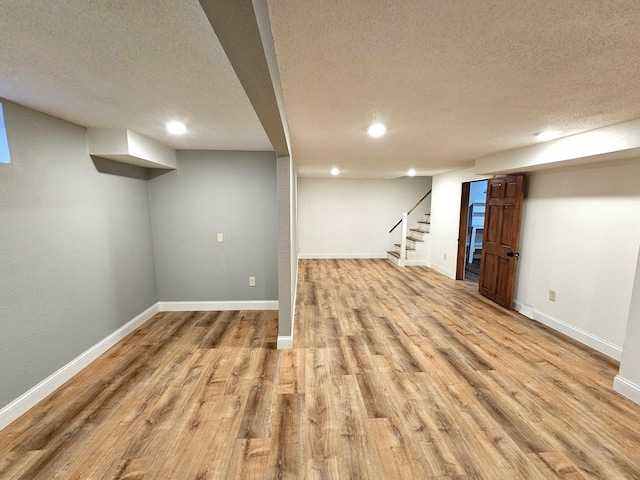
column 218, row 306
column 444, row 271
column 626, row 388
column 582, row 336
column 416, row 263
column 46, row 387
column 285, row 343
column 322, row 256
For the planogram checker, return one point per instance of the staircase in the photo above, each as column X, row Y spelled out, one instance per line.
column 417, row 245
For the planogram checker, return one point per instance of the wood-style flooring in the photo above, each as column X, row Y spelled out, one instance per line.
column 396, row 374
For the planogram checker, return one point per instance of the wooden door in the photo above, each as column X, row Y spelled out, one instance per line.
column 501, row 238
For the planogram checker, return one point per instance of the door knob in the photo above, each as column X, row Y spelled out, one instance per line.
column 513, row 254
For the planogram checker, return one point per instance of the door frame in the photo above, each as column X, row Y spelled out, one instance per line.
column 462, row 231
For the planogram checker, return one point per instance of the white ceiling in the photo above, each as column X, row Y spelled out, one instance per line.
column 126, row 63
column 453, row 80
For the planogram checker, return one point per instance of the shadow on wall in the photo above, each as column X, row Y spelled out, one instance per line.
column 111, row 167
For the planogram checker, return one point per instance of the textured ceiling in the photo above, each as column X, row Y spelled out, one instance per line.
column 126, row 63
column 453, row 80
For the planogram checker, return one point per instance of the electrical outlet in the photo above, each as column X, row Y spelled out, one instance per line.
column 252, row 281
column 220, row 238
column 552, row 295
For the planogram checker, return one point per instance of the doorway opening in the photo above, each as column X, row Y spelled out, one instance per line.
column 471, row 231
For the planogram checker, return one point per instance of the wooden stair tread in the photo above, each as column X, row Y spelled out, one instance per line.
column 413, row 239
column 394, row 254
column 424, row 222
column 417, row 230
column 408, row 248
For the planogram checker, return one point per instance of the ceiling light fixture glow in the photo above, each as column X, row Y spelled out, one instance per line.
column 335, row 171
column 412, row 172
column 176, row 128
column 377, row 130
column 547, row 135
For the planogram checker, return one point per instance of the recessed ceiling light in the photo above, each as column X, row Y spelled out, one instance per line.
column 547, row 135
column 412, row 172
column 335, row 171
column 176, row 128
column 377, row 130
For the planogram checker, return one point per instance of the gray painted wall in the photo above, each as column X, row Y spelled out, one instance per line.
column 233, row 193
column 76, row 257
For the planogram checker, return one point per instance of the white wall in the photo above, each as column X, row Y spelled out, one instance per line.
column 348, row 218
column 445, row 219
column 580, row 236
column 628, row 381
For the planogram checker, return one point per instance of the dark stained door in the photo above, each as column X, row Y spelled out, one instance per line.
column 501, row 238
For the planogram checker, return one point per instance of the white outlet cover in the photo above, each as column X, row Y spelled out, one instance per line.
column 220, row 238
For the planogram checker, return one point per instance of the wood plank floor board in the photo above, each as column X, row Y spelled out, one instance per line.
column 250, row 458
column 396, row 374
column 258, row 418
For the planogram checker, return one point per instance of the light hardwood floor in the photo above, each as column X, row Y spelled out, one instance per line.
column 395, row 374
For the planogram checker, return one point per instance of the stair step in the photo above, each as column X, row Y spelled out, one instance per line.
column 424, row 222
column 413, row 239
column 408, row 248
column 417, row 230
column 394, row 254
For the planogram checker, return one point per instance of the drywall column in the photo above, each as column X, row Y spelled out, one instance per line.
column 628, row 380
column 287, row 251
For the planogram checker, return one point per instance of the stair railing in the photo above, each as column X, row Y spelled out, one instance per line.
column 409, row 212
column 403, row 240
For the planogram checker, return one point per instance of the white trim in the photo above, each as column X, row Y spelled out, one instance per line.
column 443, row 271
column 322, row 256
column 218, row 306
column 416, row 263
column 392, row 259
column 46, row 387
column 582, row 336
column 626, row 388
column 285, row 343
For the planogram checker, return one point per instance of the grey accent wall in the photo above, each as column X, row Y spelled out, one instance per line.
column 76, row 257
column 233, row 193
